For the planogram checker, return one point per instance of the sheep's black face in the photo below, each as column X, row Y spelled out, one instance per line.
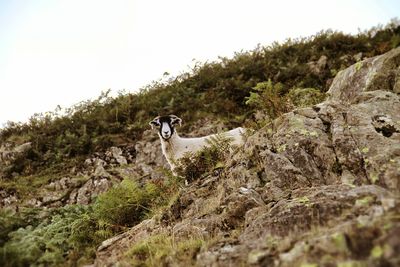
column 166, row 125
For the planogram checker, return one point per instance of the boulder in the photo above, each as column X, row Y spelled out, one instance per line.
column 318, row 66
column 116, row 154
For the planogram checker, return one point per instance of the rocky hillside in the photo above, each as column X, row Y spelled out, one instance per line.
column 317, row 187
column 316, row 183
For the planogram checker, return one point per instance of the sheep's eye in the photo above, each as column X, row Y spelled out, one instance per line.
column 155, row 123
column 175, row 121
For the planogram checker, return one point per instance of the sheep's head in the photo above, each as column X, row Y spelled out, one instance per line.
column 166, row 125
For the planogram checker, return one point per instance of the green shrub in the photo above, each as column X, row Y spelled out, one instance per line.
column 270, row 98
column 162, row 250
column 272, row 101
column 305, row 97
column 72, row 233
column 210, row 158
column 126, row 204
column 11, row 221
column 47, row 243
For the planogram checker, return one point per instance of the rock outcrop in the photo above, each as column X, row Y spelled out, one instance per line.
column 9, row 152
column 319, row 185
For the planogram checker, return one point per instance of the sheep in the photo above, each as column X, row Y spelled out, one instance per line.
column 175, row 147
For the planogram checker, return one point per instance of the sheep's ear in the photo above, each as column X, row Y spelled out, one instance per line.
column 175, row 120
column 154, row 122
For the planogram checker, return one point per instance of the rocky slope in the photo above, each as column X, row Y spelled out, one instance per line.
column 142, row 160
column 318, row 186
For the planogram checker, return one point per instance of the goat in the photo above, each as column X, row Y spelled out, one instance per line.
column 175, row 147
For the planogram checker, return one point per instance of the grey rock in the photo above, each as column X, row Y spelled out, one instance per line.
column 318, row 66
column 23, row 148
column 358, row 57
column 117, row 154
column 92, row 188
column 99, row 170
column 372, row 74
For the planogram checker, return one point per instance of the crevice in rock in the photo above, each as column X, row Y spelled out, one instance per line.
column 360, row 241
column 327, row 129
column 361, row 158
column 337, row 168
column 386, row 130
column 261, row 175
column 309, row 150
column 298, row 170
column 384, row 125
column 316, row 108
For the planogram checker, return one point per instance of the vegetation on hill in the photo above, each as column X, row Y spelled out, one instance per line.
column 71, row 234
column 271, row 80
column 214, row 89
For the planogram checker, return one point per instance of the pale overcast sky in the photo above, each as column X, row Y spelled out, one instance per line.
column 60, row 52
